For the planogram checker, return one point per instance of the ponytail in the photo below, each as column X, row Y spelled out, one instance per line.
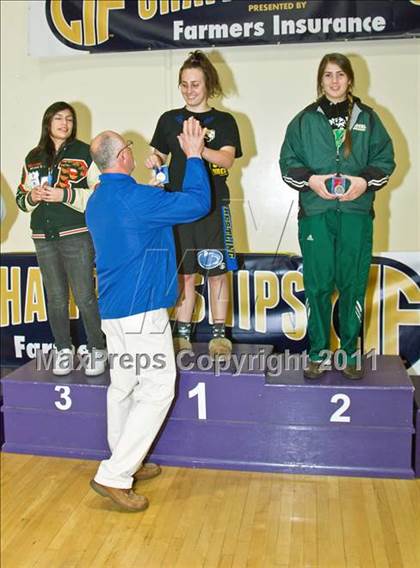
column 347, row 139
column 198, row 60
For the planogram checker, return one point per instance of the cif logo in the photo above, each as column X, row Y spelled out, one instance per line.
column 86, row 23
column 88, row 28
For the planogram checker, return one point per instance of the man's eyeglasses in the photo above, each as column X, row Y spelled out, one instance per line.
column 128, row 145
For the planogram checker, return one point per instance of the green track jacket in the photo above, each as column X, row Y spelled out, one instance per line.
column 309, row 148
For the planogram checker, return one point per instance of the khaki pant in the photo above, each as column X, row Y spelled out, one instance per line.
column 138, row 399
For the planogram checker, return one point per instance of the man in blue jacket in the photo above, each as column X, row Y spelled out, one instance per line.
column 131, row 226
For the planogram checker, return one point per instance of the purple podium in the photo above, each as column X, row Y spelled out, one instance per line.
column 416, row 457
column 242, row 418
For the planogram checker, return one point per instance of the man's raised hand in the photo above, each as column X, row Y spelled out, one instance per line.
column 191, row 138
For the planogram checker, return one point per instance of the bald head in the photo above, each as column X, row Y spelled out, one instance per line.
column 104, row 149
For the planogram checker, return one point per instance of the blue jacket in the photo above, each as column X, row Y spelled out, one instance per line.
column 131, row 226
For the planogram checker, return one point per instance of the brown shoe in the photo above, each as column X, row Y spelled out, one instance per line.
column 126, row 499
column 147, row 471
column 353, row 373
column 181, row 344
column 314, row 370
column 220, row 347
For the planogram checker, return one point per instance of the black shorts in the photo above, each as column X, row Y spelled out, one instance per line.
column 206, row 246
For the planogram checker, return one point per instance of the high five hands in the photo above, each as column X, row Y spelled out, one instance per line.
column 191, row 141
column 191, row 138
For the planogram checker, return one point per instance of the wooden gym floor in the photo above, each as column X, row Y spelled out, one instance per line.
column 206, row 518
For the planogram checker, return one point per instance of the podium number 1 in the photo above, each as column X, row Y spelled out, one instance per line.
column 338, row 415
column 65, row 401
column 200, row 392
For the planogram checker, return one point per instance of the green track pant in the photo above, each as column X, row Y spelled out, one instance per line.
column 337, row 250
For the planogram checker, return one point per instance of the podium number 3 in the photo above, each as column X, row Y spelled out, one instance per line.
column 65, row 401
column 200, row 392
column 338, row 415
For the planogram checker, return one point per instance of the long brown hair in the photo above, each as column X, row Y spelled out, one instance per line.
column 344, row 63
column 45, row 143
column 198, row 60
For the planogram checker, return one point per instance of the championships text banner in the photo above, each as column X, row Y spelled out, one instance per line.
column 268, row 307
column 126, row 25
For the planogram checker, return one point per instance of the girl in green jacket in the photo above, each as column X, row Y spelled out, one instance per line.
column 336, row 153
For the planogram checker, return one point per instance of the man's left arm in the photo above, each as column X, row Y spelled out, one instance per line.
column 159, row 208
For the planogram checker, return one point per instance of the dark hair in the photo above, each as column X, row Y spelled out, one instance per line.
column 198, row 60
column 45, row 143
column 344, row 63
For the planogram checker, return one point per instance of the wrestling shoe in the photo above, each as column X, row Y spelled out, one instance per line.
column 220, row 348
column 181, row 344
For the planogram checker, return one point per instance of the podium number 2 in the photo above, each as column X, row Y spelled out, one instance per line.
column 65, row 401
column 200, row 392
column 338, row 415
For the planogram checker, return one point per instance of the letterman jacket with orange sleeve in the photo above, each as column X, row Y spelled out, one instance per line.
column 75, row 173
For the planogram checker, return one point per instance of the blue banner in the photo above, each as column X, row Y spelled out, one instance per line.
column 267, row 307
column 101, row 26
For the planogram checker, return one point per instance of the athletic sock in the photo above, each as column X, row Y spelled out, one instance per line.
column 182, row 329
column 218, row 330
